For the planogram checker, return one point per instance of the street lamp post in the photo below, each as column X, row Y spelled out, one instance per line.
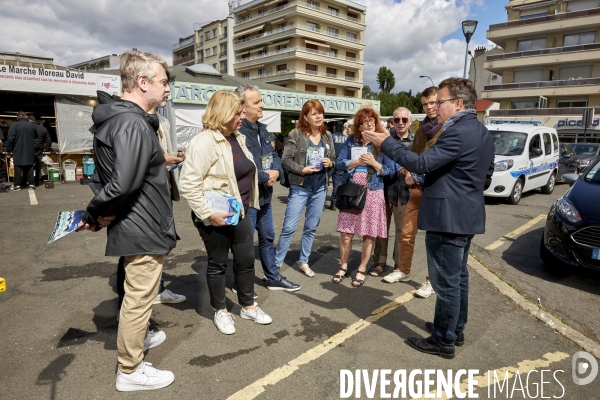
column 468, row 28
column 425, row 76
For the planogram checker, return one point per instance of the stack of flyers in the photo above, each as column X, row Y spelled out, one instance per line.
column 314, row 157
column 66, row 222
column 267, row 161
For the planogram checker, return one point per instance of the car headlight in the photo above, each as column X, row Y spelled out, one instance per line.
column 584, row 163
column 503, row 165
column 565, row 208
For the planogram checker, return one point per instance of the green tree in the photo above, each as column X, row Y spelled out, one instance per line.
column 385, row 80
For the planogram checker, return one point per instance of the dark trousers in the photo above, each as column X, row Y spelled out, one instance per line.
column 338, row 178
column 218, row 240
column 447, row 256
column 22, row 171
column 121, row 281
column 38, row 168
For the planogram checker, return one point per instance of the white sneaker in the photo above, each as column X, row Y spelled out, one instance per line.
column 425, row 290
column 397, row 276
column 144, row 378
column 154, row 339
column 257, row 315
column 224, row 322
column 169, row 297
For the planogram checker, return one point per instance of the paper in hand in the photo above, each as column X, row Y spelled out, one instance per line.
column 66, row 222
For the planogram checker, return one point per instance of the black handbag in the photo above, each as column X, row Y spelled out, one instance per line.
column 352, row 196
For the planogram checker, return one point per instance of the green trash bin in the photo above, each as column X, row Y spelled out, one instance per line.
column 54, row 175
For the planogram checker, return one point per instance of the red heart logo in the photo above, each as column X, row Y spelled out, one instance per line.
column 107, row 85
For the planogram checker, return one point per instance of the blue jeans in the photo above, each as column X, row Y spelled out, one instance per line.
column 297, row 200
column 447, row 256
column 262, row 221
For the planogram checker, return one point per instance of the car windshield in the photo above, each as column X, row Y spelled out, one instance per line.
column 585, row 149
column 509, row 143
column 593, row 175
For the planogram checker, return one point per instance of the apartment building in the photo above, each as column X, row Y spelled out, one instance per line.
column 103, row 63
column 210, row 44
column 550, row 67
column 312, row 46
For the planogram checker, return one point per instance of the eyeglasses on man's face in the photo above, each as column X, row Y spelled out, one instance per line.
column 404, row 120
column 440, row 102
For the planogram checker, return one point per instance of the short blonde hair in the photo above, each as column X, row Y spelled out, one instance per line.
column 134, row 64
column 222, row 108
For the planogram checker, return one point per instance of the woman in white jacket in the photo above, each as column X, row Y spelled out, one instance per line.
column 218, row 160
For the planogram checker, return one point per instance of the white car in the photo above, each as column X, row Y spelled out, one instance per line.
column 526, row 158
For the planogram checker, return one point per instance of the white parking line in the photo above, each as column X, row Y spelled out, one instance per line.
column 515, row 233
column 258, row 387
column 32, row 198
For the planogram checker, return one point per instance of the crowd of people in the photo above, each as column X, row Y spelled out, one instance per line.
column 432, row 180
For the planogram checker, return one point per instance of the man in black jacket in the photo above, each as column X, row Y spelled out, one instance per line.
column 130, row 166
column 42, row 144
column 456, row 169
column 20, row 142
column 269, row 171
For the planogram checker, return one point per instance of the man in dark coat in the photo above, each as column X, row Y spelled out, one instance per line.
column 456, row 169
column 132, row 173
column 21, row 143
column 42, row 144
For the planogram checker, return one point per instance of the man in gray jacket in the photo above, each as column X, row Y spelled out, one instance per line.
column 130, row 166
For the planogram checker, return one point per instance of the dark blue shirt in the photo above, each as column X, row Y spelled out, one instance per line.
column 315, row 181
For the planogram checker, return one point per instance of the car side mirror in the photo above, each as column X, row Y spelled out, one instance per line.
column 570, row 178
column 566, row 155
column 536, row 152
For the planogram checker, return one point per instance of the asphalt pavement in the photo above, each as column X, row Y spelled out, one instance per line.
column 58, row 329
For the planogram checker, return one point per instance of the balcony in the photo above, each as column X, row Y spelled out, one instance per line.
column 183, row 60
column 184, row 43
column 292, row 4
column 544, row 84
column 549, row 18
column 334, row 56
column 569, row 87
column 554, row 50
column 265, row 34
column 540, row 112
column 298, row 74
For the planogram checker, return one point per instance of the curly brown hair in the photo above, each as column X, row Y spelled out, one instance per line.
column 362, row 115
column 310, row 105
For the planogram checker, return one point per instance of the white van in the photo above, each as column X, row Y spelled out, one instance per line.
column 526, row 158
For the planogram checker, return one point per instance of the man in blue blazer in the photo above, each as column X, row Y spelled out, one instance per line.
column 452, row 208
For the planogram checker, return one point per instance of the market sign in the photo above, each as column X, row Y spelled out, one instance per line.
column 54, row 81
column 194, row 93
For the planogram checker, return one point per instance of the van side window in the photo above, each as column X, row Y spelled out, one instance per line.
column 547, row 144
column 555, row 141
column 535, row 143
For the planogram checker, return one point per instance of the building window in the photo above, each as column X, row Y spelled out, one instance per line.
column 575, row 72
column 579, row 38
column 310, row 88
column 529, row 75
column 215, row 51
column 282, row 25
column 282, row 67
column 531, row 44
column 350, row 75
column 333, row 52
column 311, row 69
column 571, row 103
column 312, row 4
column 353, row 16
column 207, row 35
column 311, row 26
column 352, row 36
column 331, row 91
column 524, row 104
column 215, row 65
column 281, row 46
column 351, row 55
column 536, row 15
column 333, row 11
column 262, row 52
column 214, row 33
column 262, row 71
column 333, row 32
column 246, row 74
column 310, row 46
column 331, row 72
column 349, row 93
column 207, row 52
column 262, row 13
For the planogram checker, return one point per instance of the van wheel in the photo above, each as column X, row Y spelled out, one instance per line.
column 517, row 192
column 549, row 188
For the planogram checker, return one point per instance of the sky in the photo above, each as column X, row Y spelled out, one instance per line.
column 410, row 37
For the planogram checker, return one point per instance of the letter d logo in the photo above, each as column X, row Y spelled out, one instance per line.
column 581, row 367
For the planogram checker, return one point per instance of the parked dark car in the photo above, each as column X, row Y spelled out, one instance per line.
column 587, row 152
column 568, row 163
column 572, row 232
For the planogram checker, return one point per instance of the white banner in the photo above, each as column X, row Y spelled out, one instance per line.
column 54, row 81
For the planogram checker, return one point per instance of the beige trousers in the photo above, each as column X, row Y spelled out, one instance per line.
column 409, row 230
column 381, row 244
column 142, row 278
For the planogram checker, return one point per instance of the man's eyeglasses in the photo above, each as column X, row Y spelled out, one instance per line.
column 403, row 119
column 440, row 102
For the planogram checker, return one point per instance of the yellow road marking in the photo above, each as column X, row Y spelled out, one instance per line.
column 522, row 367
column 32, row 198
column 515, row 233
column 258, row 387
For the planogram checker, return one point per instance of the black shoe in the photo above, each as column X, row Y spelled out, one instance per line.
column 429, row 347
column 254, row 294
column 31, row 187
column 332, row 207
column 15, row 188
column 283, row 284
column 460, row 337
